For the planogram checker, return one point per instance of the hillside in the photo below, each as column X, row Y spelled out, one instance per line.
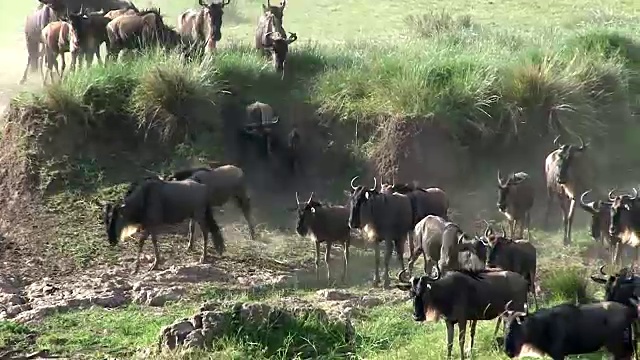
column 444, row 95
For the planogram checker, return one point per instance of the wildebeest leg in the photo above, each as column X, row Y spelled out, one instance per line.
column 156, row 252
column 214, row 229
column 64, row 65
column 572, row 208
column 387, row 259
column 412, row 259
column 549, row 203
column 244, row 203
column 399, row 244
column 376, row 249
column 144, row 237
column 346, row 261
column 532, row 288
column 473, row 335
column 564, row 206
column 528, row 224
column 327, row 256
column 317, row 243
column 616, row 254
column 205, row 236
column 462, row 332
column 449, row 339
column 192, row 228
column 33, row 57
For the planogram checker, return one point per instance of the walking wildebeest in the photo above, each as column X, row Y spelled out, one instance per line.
column 261, row 118
column 444, row 244
column 569, row 329
column 515, row 200
column 223, row 183
column 600, row 215
column 153, row 203
column 519, row 256
column 49, row 10
column 328, row 224
column 567, row 175
column 135, row 32
column 58, row 38
column 204, row 25
column 383, row 217
column 460, row 296
column 271, row 38
column 624, row 221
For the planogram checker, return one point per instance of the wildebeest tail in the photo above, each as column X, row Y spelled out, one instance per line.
column 218, row 240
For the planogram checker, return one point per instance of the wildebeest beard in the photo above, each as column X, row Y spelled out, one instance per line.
column 357, row 198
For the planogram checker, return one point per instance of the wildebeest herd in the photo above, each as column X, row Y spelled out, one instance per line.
column 466, row 277
column 54, row 29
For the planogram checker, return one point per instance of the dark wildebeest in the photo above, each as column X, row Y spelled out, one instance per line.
column 600, row 215
column 261, row 118
column 444, row 244
column 203, row 25
column 624, row 221
column 58, row 38
column 49, row 10
column 567, row 175
column 569, row 329
column 223, row 183
column 515, row 200
column 328, row 224
column 460, row 296
column 135, row 32
column 519, row 256
column 152, row 203
column 383, row 217
column 619, row 287
column 91, row 30
column 271, row 38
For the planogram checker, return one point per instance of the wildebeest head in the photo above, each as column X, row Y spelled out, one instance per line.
column 619, row 287
column 472, row 251
column 493, row 242
column 600, row 212
column 111, row 219
column 358, row 198
column 504, row 185
column 213, row 13
column 277, row 11
column 565, row 157
column 620, row 207
column 306, row 210
column 280, row 49
column 420, row 290
column 515, row 325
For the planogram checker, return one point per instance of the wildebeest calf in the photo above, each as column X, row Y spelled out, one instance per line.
column 58, row 37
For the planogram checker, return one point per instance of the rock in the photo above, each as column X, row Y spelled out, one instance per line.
column 36, row 315
column 368, row 301
column 10, row 299
column 195, row 340
column 158, row 297
column 14, row 310
column 334, row 294
column 175, row 334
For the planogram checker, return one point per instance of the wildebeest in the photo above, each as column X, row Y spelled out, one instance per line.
column 515, row 200
column 424, row 201
column 138, row 31
column 58, row 38
column 519, row 256
column 567, row 175
column 261, row 118
column 624, row 221
column 619, row 287
column 600, row 218
column 129, row 9
column 223, row 183
column 383, row 217
column 569, row 329
column 91, row 30
column 271, row 37
column 203, row 25
column 328, row 224
column 50, row 10
column 444, row 244
column 154, row 202
column 460, row 296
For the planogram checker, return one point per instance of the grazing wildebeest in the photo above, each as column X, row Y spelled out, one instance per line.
column 460, row 296
column 203, row 25
column 624, row 221
column 383, row 217
column 619, row 287
column 328, row 224
column 135, row 32
column 600, row 215
column 223, row 183
column 152, row 203
column 569, row 329
column 567, row 175
column 515, row 200
column 271, row 38
column 58, row 38
column 519, row 256
column 444, row 244
column 91, row 30
column 49, row 10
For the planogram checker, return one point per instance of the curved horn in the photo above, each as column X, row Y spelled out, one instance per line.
column 555, row 141
column 292, row 37
column 297, row 199
column 400, row 274
column 500, row 183
column 602, row 270
column 582, row 145
column 506, row 306
column 611, row 197
column 273, row 122
column 375, row 184
column 310, row 197
column 486, row 230
column 352, row 180
column 227, row 2
column 504, row 233
column 590, row 207
column 438, row 273
column 635, row 193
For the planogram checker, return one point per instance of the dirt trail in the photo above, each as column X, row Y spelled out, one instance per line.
column 12, row 64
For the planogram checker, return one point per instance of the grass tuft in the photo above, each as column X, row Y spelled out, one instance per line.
column 438, row 22
column 567, row 284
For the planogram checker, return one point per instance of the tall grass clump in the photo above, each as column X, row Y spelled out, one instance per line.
column 566, row 284
column 437, row 22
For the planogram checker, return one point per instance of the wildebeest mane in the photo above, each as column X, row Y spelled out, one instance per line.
column 186, row 173
column 151, row 10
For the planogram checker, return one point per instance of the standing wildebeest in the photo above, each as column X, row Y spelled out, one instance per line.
column 153, row 203
column 519, row 256
column 135, row 32
column 271, row 37
column 91, row 30
column 328, row 224
column 600, row 215
column 383, row 217
column 424, row 201
column 624, row 222
column 619, row 287
column 515, row 200
column 461, row 296
column 223, row 183
column 569, row 329
column 49, row 10
column 567, row 175
column 58, row 38
column 444, row 244
column 261, row 118
column 204, row 25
